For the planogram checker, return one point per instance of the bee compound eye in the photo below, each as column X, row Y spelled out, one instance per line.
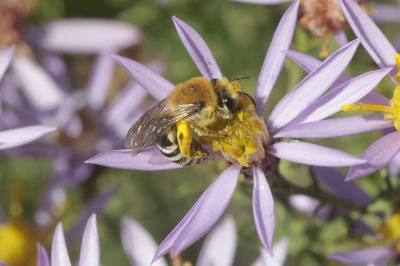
column 230, row 103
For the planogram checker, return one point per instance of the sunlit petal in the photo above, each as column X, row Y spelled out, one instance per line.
column 156, row 85
column 311, row 87
column 16, row 137
column 312, row 154
column 274, row 59
column 263, row 209
column 90, row 249
column 198, row 50
column 59, row 253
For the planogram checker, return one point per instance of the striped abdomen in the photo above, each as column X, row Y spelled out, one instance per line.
column 168, row 146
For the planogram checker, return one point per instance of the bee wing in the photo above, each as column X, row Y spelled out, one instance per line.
column 155, row 123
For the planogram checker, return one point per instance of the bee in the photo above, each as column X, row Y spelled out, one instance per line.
column 201, row 114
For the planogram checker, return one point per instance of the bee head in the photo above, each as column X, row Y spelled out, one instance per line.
column 228, row 97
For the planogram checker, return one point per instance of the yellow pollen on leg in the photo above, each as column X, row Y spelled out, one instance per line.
column 184, row 136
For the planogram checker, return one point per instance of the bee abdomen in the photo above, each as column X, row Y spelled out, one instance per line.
column 168, row 146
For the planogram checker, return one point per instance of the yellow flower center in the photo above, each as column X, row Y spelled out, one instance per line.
column 390, row 231
column 18, row 244
column 391, row 112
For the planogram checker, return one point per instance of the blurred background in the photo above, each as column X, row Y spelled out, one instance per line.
column 46, row 182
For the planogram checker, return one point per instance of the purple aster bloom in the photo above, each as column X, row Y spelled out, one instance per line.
column 19, row 136
column 218, row 248
column 382, row 151
column 214, row 200
column 86, row 122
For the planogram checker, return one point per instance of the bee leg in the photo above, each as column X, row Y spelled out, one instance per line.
column 184, row 136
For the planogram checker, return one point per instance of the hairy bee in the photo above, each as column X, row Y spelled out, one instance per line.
column 200, row 113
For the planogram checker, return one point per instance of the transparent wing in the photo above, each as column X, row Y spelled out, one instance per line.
column 155, row 124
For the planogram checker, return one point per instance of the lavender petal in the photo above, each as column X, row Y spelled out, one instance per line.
column 263, row 209
column 311, row 87
column 148, row 160
column 203, row 215
column 341, row 38
column 86, row 36
column 16, row 137
column 386, row 13
column 379, row 154
column 335, row 127
column 347, row 93
column 100, row 80
column 198, row 50
column 312, row 154
column 309, row 64
column 274, row 58
column 5, row 59
column 90, row 249
column 59, row 253
column 41, row 90
column 42, row 259
column 335, row 181
column 156, row 85
column 394, row 166
column 220, row 245
column 138, row 243
column 373, row 40
column 362, row 256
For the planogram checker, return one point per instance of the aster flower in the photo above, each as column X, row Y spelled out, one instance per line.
column 211, row 204
column 382, row 151
column 19, row 136
column 88, row 120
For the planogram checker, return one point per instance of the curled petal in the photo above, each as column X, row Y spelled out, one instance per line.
column 42, row 259
column 155, row 84
column 347, row 93
column 59, row 253
column 5, row 59
column 86, row 36
column 312, row 154
column 263, row 209
column 373, row 40
column 362, row 256
column 16, row 137
column 203, row 215
column 220, row 245
column 312, row 86
column 335, row 181
column 148, row 160
column 274, row 59
column 100, row 80
column 41, row 90
column 90, row 249
column 138, row 244
column 335, row 127
column 198, row 50
column 379, row 154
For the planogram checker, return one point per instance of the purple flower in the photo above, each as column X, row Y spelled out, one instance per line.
column 16, row 137
column 306, row 100
column 86, row 122
column 384, row 150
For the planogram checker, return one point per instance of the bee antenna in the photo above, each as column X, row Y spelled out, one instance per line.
column 241, row 77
